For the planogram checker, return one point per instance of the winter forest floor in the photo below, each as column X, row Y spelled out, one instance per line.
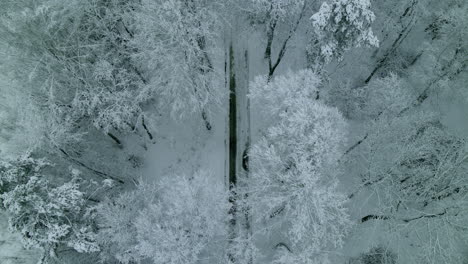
column 375, row 90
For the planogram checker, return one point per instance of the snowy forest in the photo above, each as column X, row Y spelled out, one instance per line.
column 233, row 131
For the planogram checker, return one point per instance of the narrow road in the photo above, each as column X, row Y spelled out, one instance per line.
column 239, row 133
column 232, row 147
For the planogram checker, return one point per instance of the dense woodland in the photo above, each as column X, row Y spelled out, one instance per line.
column 234, row 131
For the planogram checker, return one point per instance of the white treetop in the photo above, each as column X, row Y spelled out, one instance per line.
column 294, row 166
column 341, row 25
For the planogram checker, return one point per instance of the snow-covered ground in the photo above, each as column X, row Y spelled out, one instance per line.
column 11, row 250
column 186, row 146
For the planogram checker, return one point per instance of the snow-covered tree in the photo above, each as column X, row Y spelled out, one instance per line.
column 178, row 220
column 339, row 26
column 73, row 59
column 381, row 97
column 416, row 170
column 21, row 125
column 413, row 167
column 280, row 21
column 175, row 41
column 409, row 158
column 190, row 216
column 117, row 232
column 67, row 76
column 274, row 10
column 293, row 181
column 45, row 215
